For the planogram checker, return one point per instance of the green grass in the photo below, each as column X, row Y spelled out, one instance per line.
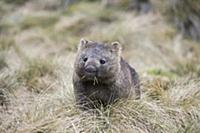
column 159, row 72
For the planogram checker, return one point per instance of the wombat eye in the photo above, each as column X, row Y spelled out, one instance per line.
column 85, row 59
column 102, row 61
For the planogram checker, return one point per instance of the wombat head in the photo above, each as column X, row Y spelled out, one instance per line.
column 98, row 61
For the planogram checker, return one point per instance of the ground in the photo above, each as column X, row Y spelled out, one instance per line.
column 38, row 43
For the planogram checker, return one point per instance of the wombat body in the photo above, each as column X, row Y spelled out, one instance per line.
column 101, row 75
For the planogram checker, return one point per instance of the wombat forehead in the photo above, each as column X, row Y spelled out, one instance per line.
column 99, row 46
column 98, row 49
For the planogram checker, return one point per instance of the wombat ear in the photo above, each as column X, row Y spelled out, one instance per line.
column 82, row 43
column 116, row 47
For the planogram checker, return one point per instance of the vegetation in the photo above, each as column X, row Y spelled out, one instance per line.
column 36, row 74
column 184, row 14
column 37, row 52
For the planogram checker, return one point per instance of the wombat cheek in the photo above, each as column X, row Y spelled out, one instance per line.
column 79, row 69
column 113, row 70
column 107, row 72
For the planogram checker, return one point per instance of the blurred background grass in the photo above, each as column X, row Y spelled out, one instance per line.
column 38, row 41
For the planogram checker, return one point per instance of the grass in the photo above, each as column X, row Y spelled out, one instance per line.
column 159, row 72
column 6, row 43
column 3, row 63
column 183, row 14
column 18, row 2
column 36, row 66
column 58, row 113
column 8, row 84
column 37, row 74
column 35, row 21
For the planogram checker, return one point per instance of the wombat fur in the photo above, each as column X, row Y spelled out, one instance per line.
column 101, row 75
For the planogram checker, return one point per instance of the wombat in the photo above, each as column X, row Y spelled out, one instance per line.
column 101, row 75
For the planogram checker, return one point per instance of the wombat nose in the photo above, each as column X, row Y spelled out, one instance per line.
column 90, row 69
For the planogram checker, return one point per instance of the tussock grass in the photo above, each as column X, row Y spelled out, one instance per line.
column 6, row 43
column 3, row 63
column 58, row 113
column 188, row 67
column 37, row 74
column 8, row 84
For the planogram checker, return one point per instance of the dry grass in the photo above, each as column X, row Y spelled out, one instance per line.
column 37, row 52
column 176, row 111
column 37, row 75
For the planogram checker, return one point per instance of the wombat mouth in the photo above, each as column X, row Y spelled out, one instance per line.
column 89, row 76
column 91, row 80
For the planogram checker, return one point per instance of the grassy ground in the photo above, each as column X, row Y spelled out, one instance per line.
column 37, row 51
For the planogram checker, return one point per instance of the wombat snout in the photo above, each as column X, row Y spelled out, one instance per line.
column 91, row 66
column 90, row 69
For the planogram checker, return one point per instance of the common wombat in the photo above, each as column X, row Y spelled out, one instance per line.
column 101, row 75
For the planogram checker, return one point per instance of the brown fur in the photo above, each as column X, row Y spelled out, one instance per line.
column 101, row 75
